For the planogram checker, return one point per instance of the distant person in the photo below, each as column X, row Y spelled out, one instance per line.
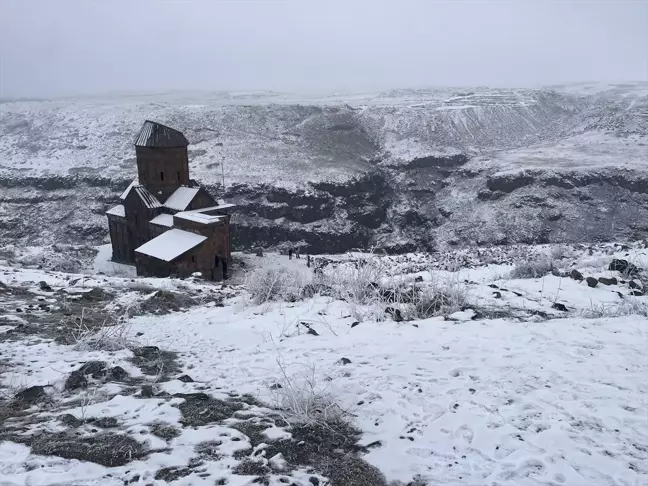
column 290, row 252
column 297, row 253
column 308, row 261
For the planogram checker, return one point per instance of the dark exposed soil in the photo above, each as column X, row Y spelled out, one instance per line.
column 107, row 449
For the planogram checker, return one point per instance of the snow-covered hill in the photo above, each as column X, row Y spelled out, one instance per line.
column 405, row 169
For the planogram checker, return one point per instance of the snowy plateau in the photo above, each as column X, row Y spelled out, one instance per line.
column 474, row 312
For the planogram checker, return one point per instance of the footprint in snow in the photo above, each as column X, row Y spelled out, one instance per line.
column 465, row 434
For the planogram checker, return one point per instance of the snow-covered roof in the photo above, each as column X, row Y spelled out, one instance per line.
column 198, row 217
column 155, row 134
column 221, row 206
column 171, row 244
column 163, row 220
column 117, row 211
column 181, row 198
column 149, row 200
column 127, row 190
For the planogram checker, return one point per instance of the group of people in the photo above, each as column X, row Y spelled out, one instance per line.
column 292, row 252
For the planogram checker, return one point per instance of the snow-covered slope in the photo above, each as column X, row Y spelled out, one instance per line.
column 535, row 381
column 338, row 169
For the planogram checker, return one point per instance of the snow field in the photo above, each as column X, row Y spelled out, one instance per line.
column 460, row 400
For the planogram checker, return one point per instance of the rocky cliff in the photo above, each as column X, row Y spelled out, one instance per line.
column 402, row 170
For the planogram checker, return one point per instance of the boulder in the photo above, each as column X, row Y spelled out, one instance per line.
column 96, row 369
column 634, row 285
column 76, row 380
column 31, row 395
column 560, row 307
column 147, row 391
column 623, row 266
column 576, row 275
column 592, row 282
column 117, row 374
column 70, row 420
column 608, row 281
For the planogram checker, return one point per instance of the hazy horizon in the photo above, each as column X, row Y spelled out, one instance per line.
column 74, row 48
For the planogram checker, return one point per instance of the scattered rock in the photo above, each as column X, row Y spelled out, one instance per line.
column 623, row 266
column 44, row 286
column 70, row 420
column 636, row 293
column 634, row 285
column 418, row 279
column 31, row 395
column 354, row 324
column 345, row 361
column 608, row 281
column 76, row 380
column 94, row 294
column 186, row 379
column 560, row 307
column 117, row 373
column 576, row 275
column 497, row 295
column 147, row 391
column 96, row 369
column 591, row 282
column 275, row 386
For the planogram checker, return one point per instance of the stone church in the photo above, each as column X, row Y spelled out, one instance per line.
column 166, row 224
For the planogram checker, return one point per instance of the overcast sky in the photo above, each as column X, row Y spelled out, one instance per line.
column 60, row 47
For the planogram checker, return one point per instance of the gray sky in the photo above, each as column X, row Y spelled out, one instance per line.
column 60, row 47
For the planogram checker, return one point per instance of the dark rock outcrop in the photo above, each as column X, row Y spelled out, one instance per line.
column 592, row 282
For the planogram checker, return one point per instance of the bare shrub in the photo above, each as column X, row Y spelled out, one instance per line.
column 276, row 284
column 628, row 307
column 303, row 397
column 558, row 252
column 112, row 334
column 533, row 268
column 443, row 296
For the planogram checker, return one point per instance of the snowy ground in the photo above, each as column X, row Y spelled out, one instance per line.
column 508, row 390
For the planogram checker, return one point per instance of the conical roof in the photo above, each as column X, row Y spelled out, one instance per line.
column 155, row 134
